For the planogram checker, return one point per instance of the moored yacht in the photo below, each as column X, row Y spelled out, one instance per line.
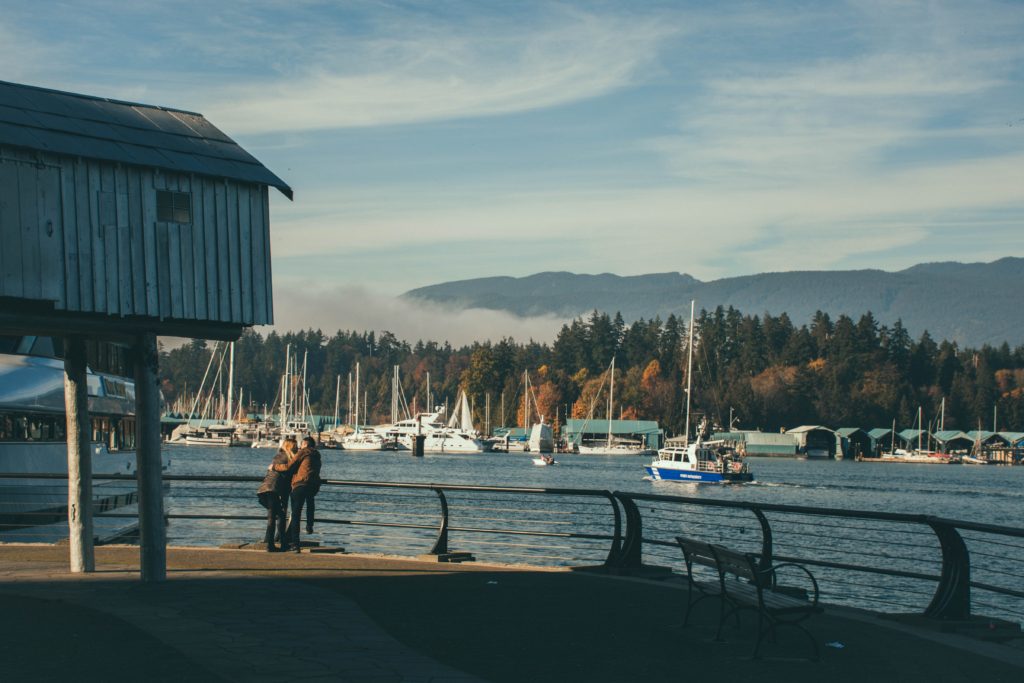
column 33, row 441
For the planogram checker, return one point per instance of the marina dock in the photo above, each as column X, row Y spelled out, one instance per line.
column 243, row 615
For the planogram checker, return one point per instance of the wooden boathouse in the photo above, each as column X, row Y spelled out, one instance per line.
column 120, row 222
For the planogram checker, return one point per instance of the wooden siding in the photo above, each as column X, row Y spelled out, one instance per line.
column 85, row 235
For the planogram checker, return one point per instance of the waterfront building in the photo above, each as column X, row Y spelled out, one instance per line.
column 645, row 432
column 767, row 444
column 815, row 441
column 119, row 222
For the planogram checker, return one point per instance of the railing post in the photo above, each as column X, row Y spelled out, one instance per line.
column 615, row 552
column 631, row 556
column 952, row 598
column 441, row 544
column 439, row 552
column 765, row 561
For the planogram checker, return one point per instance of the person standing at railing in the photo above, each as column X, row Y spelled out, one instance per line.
column 273, row 494
column 313, row 487
column 304, row 468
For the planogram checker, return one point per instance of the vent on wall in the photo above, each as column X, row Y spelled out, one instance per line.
column 173, row 207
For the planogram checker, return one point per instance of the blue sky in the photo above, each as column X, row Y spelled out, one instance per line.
column 447, row 140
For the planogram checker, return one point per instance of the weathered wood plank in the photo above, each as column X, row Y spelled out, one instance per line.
column 198, row 249
column 150, row 245
column 51, row 235
column 108, row 222
column 174, row 272
column 28, row 205
column 259, row 292
column 223, row 252
column 268, row 283
column 137, row 222
column 164, row 267
column 210, row 239
column 124, row 245
column 86, row 301
column 245, row 229
column 69, row 225
column 12, row 283
column 234, row 260
column 28, row 217
column 99, row 278
column 188, row 288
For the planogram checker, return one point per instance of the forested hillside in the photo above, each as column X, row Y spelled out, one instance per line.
column 770, row 372
column 969, row 303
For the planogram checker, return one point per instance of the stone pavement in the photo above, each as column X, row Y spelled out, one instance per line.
column 237, row 615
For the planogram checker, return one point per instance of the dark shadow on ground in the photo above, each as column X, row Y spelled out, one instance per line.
column 53, row 640
column 513, row 627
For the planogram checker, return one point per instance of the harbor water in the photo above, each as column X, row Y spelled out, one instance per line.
column 987, row 494
column 569, row 530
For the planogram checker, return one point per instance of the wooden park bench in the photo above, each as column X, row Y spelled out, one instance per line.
column 744, row 585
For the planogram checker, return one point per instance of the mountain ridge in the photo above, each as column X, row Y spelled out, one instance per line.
column 970, row 303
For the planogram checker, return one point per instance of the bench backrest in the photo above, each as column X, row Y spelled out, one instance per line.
column 698, row 552
column 743, row 565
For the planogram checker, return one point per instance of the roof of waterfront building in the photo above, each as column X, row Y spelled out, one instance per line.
column 847, row 432
column 139, row 134
column 599, row 426
column 808, row 428
column 1012, row 437
column 950, row 434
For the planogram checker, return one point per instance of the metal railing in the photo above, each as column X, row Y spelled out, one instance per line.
column 887, row 562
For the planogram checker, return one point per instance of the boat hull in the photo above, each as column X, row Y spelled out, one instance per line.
column 672, row 474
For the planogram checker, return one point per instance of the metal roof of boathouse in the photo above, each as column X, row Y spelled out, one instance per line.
column 127, row 132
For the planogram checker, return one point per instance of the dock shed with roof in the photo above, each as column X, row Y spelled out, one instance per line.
column 953, row 441
column 814, row 441
column 854, row 442
column 583, row 431
column 766, row 444
column 119, row 222
column 881, row 440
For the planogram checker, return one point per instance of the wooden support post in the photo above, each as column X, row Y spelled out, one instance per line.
column 76, row 407
column 152, row 533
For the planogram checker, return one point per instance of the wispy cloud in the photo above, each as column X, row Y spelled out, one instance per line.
column 454, row 72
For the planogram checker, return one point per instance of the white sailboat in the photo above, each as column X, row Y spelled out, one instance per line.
column 362, row 439
column 612, row 445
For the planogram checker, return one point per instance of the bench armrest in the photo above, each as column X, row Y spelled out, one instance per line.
column 770, row 572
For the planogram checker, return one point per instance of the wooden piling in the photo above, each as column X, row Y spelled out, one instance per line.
column 152, row 532
column 76, row 404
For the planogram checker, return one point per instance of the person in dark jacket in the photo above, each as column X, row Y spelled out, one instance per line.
column 273, row 495
column 304, row 469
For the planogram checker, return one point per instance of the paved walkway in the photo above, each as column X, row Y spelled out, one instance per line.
column 238, row 615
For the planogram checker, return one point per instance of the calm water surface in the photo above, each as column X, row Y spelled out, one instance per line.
column 980, row 493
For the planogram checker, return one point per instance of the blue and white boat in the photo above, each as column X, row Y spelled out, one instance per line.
column 701, row 462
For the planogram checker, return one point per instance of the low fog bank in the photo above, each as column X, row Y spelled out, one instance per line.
column 355, row 308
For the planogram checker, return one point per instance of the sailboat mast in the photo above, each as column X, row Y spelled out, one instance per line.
column 920, row 429
column 357, row 399
column 286, row 400
column 231, row 385
column 611, row 401
column 337, row 398
column 305, row 393
column 526, row 397
column 689, row 371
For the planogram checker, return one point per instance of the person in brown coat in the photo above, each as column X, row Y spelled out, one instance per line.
column 304, row 470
